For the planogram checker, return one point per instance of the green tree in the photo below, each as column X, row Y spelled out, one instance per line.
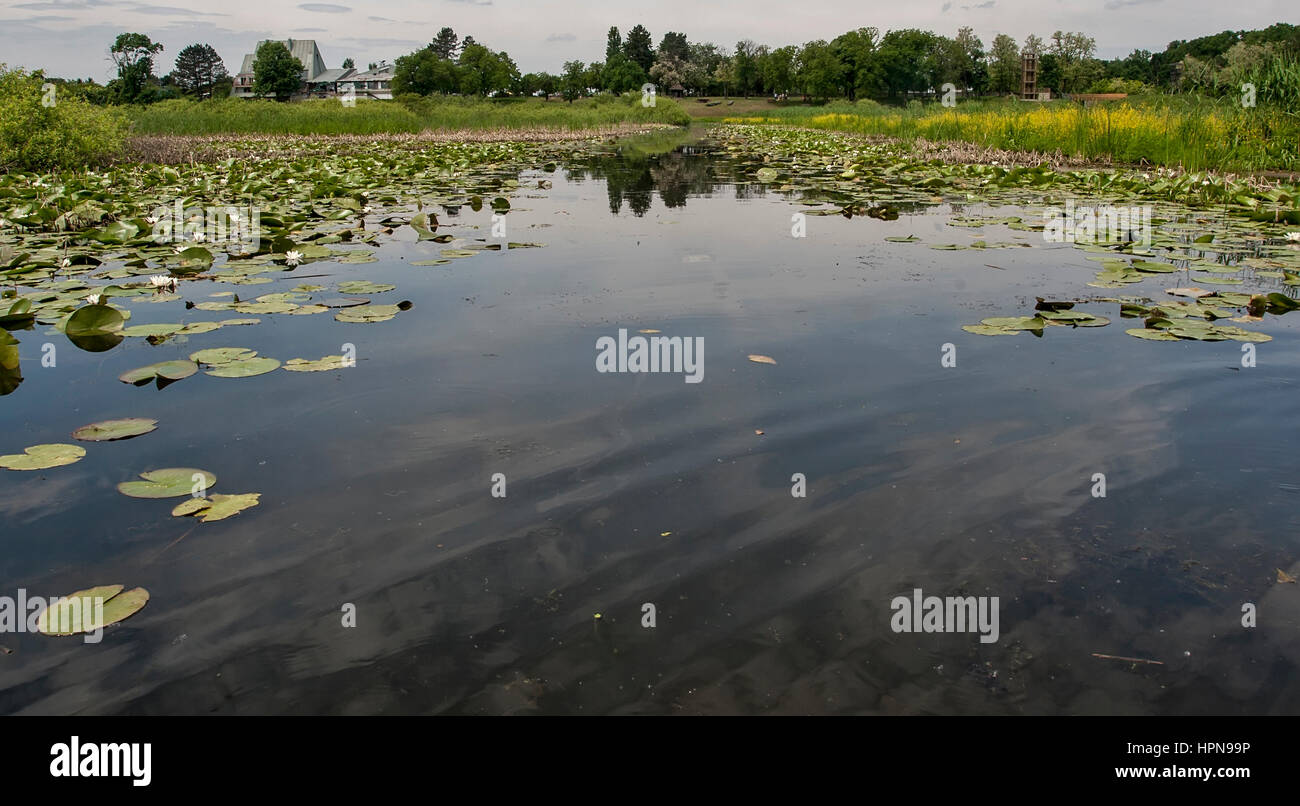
column 778, row 69
column 1004, row 65
column 907, row 61
column 973, row 70
column 133, row 54
column 674, row 44
column 613, row 44
column 745, row 66
column 198, row 70
column 424, row 73
column 621, row 74
column 819, row 69
column 348, row 64
column 276, row 71
column 640, row 48
column 571, row 84
column 859, row 68
column 445, row 43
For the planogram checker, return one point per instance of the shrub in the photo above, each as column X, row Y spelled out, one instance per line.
column 70, row 133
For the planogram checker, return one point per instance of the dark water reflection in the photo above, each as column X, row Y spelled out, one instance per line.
column 626, row 489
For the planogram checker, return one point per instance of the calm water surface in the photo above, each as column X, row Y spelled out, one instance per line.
column 625, row 489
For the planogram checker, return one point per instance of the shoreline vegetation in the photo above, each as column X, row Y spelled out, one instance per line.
column 175, row 149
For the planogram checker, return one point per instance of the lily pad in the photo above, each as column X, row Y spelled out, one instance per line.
column 364, row 287
column 164, row 371
column 170, row 482
column 322, row 365
column 76, row 612
column 218, row 507
column 94, row 320
column 42, row 457
column 245, row 368
column 222, row 355
column 111, row 430
column 368, row 313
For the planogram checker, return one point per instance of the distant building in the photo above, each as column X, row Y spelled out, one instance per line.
column 374, row 84
column 317, row 80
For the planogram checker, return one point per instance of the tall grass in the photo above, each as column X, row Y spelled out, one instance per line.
column 410, row 115
column 1187, row 131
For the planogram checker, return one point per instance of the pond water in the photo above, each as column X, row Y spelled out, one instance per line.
column 975, row 478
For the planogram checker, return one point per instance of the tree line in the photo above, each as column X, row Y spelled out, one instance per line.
column 857, row 64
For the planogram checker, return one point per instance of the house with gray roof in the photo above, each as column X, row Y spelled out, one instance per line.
column 305, row 50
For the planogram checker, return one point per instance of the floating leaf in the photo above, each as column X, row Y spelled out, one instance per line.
column 164, row 371
column 152, row 330
column 76, row 612
column 169, row 482
column 94, row 320
column 222, row 355
column 762, row 359
column 245, row 368
column 322, row 365
column 364, row 287
column 110, row 430
column 42, row 457
column 1150, row 334
column 368, row 313
column 218, row 507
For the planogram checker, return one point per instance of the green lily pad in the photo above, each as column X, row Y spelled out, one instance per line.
column 988, row 330
column 218, row 507
column 152, row 330
column 1150, row 334
column 110, row 430
column 42, row 457
column 322, row 365
column 76, row 612
column 94, row 320
column 222, row 355
column 164, row 371
column 245, row 368
column 368, row 313
column 364, row 287
column 170, row 482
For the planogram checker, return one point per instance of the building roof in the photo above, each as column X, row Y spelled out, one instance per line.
column 332, row 74
column 383, row 72
column 304, row 50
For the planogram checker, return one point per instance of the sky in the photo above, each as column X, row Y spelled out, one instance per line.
column 70, row 38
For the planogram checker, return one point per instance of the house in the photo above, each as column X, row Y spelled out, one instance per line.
column 329, row 83
column 315, row 76
column 374, row 84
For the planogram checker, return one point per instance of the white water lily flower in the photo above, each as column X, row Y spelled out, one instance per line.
column 291, row 181
column 293, row 256
column 151, row 219
column 367, row 209
column 93, row 299
column 198, row 237
column 162, row 281
column 1293, row 237
column 65, row 263
column 178, row 249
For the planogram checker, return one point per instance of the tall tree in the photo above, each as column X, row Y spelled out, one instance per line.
column 613, row 44
column 1004, row 65
column 198, row 69
column 348, row 64
column 674, row 44
column 133, row 55
column 276, row 71
column 444, row 45
column 746, row 69
column 640, row 48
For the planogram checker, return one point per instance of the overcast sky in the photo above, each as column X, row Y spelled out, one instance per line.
column 70, row 38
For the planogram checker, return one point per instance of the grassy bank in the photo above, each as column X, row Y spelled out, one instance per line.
column 408, row 116
column 1194, row 134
